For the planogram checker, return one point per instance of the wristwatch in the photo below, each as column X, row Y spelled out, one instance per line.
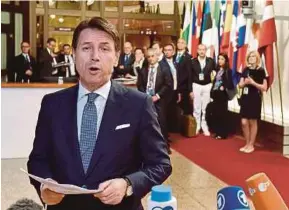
column 129, row 190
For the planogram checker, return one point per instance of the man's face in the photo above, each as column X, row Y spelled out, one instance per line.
column 181, row 44
column 152, row 58
column 138, row 55
column 158, row 50
column 51, row 45
column 95, row 56
column 127, row 48
column 202, row 50
column 66, row 50
column 25, row 47
column 168, row 51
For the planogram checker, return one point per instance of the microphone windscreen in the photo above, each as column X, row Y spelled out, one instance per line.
column 264, row 194
column 232, row 198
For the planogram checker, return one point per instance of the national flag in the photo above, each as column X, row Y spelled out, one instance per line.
column 266, row 41
column 191, row 44
column 183, row 19
column 222, row 19
column 227, row 27
column 215, row 30
column 198, row 23
column 207, row 28
column 186, row 25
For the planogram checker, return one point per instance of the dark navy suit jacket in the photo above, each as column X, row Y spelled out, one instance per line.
column 137, row 152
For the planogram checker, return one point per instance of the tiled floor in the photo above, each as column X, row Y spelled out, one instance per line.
column 194, row 188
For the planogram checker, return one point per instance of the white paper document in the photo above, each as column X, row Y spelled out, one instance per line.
column 66, row 189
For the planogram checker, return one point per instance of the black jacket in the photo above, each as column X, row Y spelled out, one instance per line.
column 128, row 69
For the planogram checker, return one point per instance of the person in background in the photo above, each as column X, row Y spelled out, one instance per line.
column 222, row 82
column 47, row 59
column 125, row 63
column 183, row 61
column 25, row 204
column 253, row 82
column 98, row 134
column 156, row 81
column 200, row 80
column 22, row 67
column 145, row 50
column 67, row 71
column 157, row 46
column 140, row 61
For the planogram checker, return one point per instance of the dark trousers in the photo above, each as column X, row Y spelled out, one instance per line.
column 186, row 104
column 172, row 114
column 220, row 114
column 162, row 111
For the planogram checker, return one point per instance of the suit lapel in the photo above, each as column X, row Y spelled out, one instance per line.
column 111, row 116
column 69, row 105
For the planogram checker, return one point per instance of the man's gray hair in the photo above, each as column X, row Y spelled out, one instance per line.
column 25, row 204
column 152, row 50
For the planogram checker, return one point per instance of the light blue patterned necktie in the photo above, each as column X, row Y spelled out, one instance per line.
column 88, row 130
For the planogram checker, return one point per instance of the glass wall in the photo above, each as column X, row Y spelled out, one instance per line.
column 149, row 7
column 71, row 5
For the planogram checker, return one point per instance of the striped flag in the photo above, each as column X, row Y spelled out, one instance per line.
column 233, row 46
column 192, row 42
column 207, row 28
column 227, row 27
column 183, row 19
column 215, row 32
column 222, row 19
column 198, row 23
column 266, row 41
column 186, row 25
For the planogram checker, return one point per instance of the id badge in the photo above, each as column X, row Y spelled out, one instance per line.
column 246, row 91
column 201, row 76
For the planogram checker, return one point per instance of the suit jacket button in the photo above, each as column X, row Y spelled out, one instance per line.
column 84, row 186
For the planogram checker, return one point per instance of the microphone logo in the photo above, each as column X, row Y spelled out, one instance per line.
column 242, row 198
column 221, row 201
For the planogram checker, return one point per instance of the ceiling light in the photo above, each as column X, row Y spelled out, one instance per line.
column 126, row 25
column 51, row 2
column 89, row 2
column 52, row 16
column 61, row 20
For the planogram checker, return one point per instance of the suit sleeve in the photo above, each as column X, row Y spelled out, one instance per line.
column 168, row 86
column 156, row 162
column 140, row 80
column 38, row 162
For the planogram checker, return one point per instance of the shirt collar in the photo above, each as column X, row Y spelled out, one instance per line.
column 170, row 60
column 103, row 91
column 25, row 54
column 155, row 66
column 161, row 57
column 202, row 60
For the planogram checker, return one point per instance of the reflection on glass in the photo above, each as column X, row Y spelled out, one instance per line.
column 111, row 6
column 93, row 5
column 5, row 17
column 72, row 4
column 3, row 51
column 63, row 23
column 149, row 7
column 149, row 26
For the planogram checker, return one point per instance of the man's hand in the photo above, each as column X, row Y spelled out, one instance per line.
column 121, row 66
column 113, row 192
column 222, row 88
column 192, row 95
column 179, row 98
column 50, row 197
column 155, row 98
column 28, row 72
column 128, row 75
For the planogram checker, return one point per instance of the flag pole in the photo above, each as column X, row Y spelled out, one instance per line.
column 280, row 86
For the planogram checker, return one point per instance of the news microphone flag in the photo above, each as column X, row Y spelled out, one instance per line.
column 232, row 198
column 264, row 194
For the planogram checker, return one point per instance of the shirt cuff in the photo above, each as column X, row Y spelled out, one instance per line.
column 158, row 96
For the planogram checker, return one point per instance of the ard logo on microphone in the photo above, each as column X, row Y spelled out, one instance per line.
column 164, row 208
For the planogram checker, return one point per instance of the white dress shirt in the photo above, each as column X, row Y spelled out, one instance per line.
column 69, row 59
column 173, row 71
column 202, row 62
column 100, row 103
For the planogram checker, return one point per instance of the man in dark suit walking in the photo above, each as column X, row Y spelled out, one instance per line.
column 157, row 83
column 47, row 59
column 23, row 66
column 66, row 57
column 98, row 134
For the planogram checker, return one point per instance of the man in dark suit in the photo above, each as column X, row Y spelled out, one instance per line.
column 23, row 66
column 47, row 59
column 202, row 67
column 157, row 83
column 125, row 63
column 183, row 62
column 98, row 134
column 66, row 71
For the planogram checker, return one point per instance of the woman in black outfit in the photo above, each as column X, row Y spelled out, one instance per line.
column 222, row 82
column 253, row 82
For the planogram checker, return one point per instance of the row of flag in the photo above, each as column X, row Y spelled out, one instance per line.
column 227, row 30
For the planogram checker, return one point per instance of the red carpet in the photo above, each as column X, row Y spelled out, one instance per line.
column 223, row 159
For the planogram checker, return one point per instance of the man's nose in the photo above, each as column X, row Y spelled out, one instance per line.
column 95, row 55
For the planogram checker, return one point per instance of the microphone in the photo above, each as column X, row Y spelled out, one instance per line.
column 232, row 198
column 264, row 194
